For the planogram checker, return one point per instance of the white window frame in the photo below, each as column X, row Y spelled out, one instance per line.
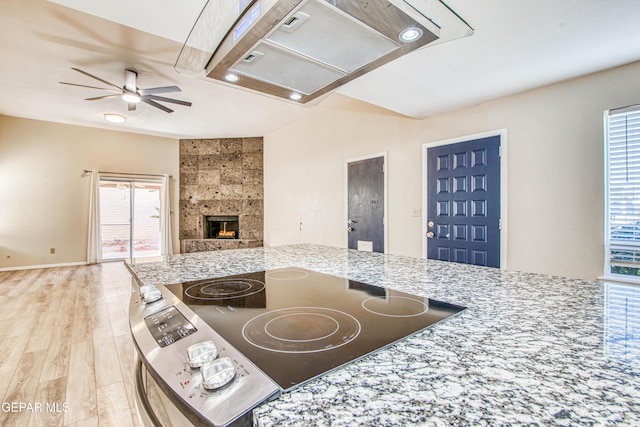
column 608, row 275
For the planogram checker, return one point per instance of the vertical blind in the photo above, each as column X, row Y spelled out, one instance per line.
column 622, row 240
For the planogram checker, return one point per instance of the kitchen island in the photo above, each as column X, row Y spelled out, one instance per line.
column 529, row 349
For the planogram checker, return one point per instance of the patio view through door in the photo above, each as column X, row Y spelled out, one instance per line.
column 129, row 218
column 463, row 202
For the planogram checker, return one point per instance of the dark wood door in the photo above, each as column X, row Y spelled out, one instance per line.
column 366, row 204
column 463, row 193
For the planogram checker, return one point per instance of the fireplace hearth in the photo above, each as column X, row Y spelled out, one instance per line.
column 221, row 227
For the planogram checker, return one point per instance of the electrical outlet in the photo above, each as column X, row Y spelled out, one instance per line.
column 52, row 250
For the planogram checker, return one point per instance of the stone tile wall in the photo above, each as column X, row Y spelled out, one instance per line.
column 221, row 177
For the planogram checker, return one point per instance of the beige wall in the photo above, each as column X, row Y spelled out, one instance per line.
column 305, row 167
column 554, row 165
column 43, row 194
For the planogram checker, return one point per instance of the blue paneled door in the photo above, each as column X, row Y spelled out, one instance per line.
column 463, row 208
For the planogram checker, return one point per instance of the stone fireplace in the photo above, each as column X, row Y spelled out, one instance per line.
column 221, row 182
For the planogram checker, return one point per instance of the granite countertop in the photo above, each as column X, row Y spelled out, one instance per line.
column 529, row 350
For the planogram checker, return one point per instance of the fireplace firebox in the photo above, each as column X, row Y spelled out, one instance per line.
column 221, row 227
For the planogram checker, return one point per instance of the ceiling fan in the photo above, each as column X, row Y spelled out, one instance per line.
column 131, row 93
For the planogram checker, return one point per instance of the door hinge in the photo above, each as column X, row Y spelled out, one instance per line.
column 499, row 150
column 500, row 224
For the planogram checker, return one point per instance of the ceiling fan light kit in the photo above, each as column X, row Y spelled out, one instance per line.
column 131, row 97
column 131, row 93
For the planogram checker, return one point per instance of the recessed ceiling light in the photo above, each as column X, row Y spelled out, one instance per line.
column 410, row 34
column 295, row 96
column 131, row 97
column 115, row 118
column 230, row 77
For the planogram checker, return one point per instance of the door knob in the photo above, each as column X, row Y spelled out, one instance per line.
column 349, row 229
column 431, row 234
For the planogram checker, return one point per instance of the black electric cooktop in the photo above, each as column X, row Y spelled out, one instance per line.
column 297, row 324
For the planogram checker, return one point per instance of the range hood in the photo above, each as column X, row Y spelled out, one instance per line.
column 300, row 50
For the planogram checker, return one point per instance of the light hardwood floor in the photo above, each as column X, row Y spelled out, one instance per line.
column 66, row 348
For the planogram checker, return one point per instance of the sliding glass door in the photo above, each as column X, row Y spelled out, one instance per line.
column 129, row 218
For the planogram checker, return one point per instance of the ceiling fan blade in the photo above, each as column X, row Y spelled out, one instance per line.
column 102, row 97
column 163, row 99
column 94, row 77
column 155, row 104
column 164, row 89
column 131, row 106
column 91, row 87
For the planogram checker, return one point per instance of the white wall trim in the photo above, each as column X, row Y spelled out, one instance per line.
column 384, row 155
column 34, row 267
column 620, row 278
column 502, row 133
column 607, row 249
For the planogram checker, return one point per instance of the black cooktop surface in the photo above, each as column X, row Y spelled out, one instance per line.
column 297, row 324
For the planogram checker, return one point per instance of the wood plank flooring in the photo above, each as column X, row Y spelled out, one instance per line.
column 66, row 348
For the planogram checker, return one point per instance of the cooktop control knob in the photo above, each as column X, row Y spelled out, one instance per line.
column 145, row 288
column 151, row 295
column 201, row 353
column 217, row 373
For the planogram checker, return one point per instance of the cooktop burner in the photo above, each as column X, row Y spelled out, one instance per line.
column 301, row 329
column 395, row 306
column 223, row 289
column 296, row 324
column 288, row 274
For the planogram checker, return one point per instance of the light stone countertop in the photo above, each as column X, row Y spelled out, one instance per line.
column 529, row 350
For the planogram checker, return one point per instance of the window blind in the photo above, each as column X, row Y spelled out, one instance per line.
column 622, row 240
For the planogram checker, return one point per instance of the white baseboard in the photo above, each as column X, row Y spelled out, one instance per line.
column 33, row 267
